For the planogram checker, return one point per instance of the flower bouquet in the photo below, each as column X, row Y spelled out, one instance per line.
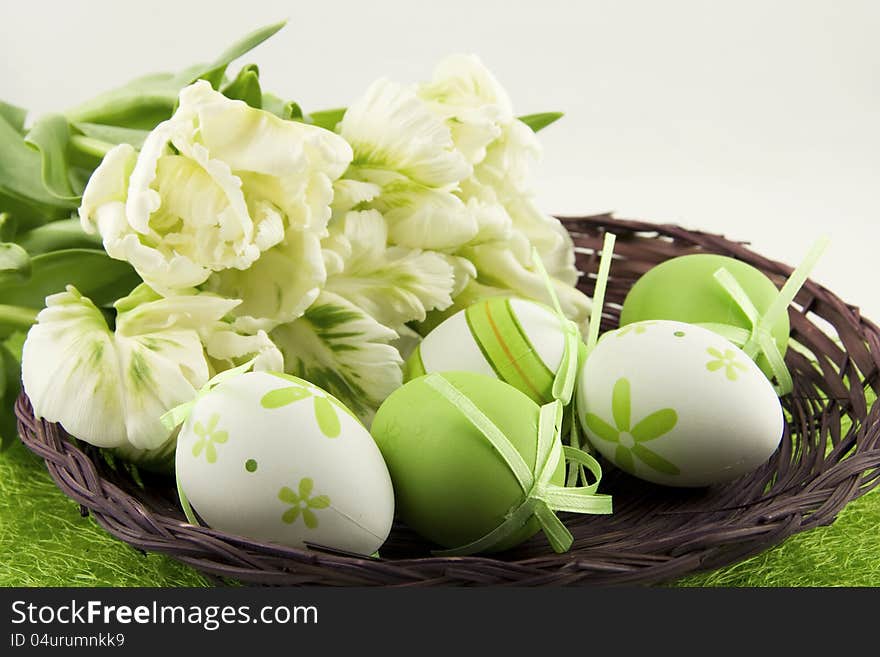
column 188, row 222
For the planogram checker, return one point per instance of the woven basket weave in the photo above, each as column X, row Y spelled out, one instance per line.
column 829, row 455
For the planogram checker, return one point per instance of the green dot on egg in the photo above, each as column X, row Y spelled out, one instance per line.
column 679, row 334
column 250, row 465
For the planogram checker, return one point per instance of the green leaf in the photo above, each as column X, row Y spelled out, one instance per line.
column 50, row 137
column 246, row 87
column 22, row 193
column 292, row 111
column 237, row 49
column 94, row 273
column 540, row 121
column 112, row 134
column 14, row 116
column 148, row 100
column 8, row 226
column 327, row 118
column 15, row 263
column 10, row 387
column 56, row 236
column 289, row 110
column 15, row 344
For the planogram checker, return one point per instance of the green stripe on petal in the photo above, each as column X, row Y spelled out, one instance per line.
column 394, row 285
column 341, row 349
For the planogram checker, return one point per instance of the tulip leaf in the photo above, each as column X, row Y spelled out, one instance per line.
column 57, row 236
column 327, row 118
column 92, row 271
column 246, row 87
column 146, row 101
column 112, row 134
column 8, row 226
column 10, row 387
column 540, row 121
column 50, row 137
column 15, row 263
column 236, row 50
column 22, row 193
column 289, row 110
column 14, row 116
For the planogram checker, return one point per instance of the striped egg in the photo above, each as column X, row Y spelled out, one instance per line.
column 516, row 340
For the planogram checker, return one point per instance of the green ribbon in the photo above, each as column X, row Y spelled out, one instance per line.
column 759, row 339
column 563, row 381
column 566, row 375
column 179, row 414
column 540, row 497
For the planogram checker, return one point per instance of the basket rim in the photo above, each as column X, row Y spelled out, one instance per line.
column 853, row 468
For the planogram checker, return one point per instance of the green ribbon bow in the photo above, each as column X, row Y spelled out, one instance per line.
column 179, row 414
column 563, row 382
column 541, row 498
column 759, row 339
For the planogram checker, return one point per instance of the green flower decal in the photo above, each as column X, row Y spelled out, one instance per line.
column 636, row 329
column 208, row 438
column 325, row 406
column 726, row 360
column 630, row 439
column 302, row 504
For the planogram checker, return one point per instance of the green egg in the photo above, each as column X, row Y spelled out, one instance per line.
column 451, row 486
column 684, row 289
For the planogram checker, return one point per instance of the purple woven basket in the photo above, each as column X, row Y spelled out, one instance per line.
column 829, row 455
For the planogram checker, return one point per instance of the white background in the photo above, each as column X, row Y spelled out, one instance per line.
column 757, row 120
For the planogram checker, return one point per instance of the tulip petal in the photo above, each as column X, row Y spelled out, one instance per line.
column 391, row 128
column 343, row 350
column 394, row 285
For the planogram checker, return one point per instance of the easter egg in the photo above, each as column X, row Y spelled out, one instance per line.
column 452, row 487
column 518, row 341
column 677, row 404
column 684, row 289
column 275, row 458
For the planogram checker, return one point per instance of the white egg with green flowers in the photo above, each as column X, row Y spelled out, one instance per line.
column 272, row 457
column 677, row 404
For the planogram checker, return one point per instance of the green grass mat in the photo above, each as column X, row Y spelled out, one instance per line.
column 45, row 542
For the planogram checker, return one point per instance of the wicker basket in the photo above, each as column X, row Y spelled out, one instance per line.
column 829, row 455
